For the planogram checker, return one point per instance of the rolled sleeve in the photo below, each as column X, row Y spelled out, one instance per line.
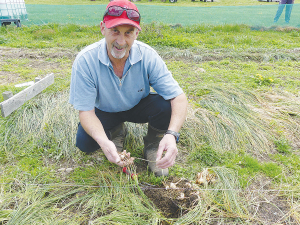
column 161, row 79
column 83, row 90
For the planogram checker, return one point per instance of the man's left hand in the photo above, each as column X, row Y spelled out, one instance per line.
column 168, row 144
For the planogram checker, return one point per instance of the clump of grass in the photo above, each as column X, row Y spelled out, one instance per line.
column 282, row 146
column 114, row 200
column 225, row 121
column 45, row 125
column 163, row 35
column 248, row 166
column 206, row 156
column 57, row 35
column 134, row 138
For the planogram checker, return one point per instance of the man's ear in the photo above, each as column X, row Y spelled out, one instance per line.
column 137, row 33
column 102, row 27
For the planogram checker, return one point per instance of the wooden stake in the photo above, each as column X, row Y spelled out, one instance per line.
column 14, row 102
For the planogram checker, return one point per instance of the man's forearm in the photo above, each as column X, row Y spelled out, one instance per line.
column 179, row 110
column 92, row 126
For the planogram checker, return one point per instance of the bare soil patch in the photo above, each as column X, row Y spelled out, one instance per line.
column 269, row 204
column 40, row 60
column 173, row 202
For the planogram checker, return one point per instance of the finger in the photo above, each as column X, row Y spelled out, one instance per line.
column 121, row 163
column 160, row 151
column 117, row 160
column 167, row 161
column 167, row 164
column 164, row 163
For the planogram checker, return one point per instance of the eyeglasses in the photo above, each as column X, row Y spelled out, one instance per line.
column 115, row 10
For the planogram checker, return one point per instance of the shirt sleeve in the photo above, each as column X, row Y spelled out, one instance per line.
column 83, row 91
column 161, row 79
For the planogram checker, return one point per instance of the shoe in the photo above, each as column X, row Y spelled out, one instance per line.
column 151, row 142
column 117, row 135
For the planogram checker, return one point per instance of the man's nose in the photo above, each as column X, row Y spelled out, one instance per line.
column 121, row 40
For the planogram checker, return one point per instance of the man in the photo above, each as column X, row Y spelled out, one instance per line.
column 110, row 84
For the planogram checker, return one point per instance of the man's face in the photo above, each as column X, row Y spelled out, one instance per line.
column 119, row 40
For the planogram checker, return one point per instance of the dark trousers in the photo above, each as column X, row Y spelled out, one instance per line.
column 153, row 110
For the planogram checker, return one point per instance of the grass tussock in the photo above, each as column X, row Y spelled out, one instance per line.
column 225, row 120
column 45, row 125
column 113, row 201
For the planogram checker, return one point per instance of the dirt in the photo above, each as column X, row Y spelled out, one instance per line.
column 173, row 203
column 268, row 204
column 37, row 60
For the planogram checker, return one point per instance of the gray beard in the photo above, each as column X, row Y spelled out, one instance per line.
column 119, row 56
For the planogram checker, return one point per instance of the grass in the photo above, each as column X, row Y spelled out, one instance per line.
column 243, row 123
column 155, row 2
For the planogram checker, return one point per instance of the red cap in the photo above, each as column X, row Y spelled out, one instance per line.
column 113, row 21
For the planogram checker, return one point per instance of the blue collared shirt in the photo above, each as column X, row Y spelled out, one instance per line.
column 94, row 83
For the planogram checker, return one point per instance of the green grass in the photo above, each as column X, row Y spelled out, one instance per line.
column 243, row 123
column 155, row 2
column 233, row 38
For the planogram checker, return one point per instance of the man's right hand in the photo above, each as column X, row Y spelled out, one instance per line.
column 111, row 153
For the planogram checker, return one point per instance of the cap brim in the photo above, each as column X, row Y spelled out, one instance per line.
column 121, row 21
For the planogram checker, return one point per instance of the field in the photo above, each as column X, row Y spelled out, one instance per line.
column 242, row 131
column 158, row 2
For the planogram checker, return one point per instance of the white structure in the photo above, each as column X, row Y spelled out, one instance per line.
column 13, row 9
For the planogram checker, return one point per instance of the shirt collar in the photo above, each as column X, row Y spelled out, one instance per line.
column 135, row 54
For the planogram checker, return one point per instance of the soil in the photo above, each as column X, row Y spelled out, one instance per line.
column 268, row 204
column 37, row 59
column 173, row 203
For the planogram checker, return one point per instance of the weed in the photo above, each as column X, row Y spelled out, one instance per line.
column 87, row 176
column 282, row 145
column 3, row 157
column 205, row 156
column 150, row 177
column 271, row 169
column 3, row 40
column 260, row 80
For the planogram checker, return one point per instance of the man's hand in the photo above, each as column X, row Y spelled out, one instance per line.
column 168, row 144
column 111, row 153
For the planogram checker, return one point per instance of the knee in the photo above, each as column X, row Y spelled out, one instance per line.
column 165, row 108
column 86, row 147
column 84, row 142
column 161, row 119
